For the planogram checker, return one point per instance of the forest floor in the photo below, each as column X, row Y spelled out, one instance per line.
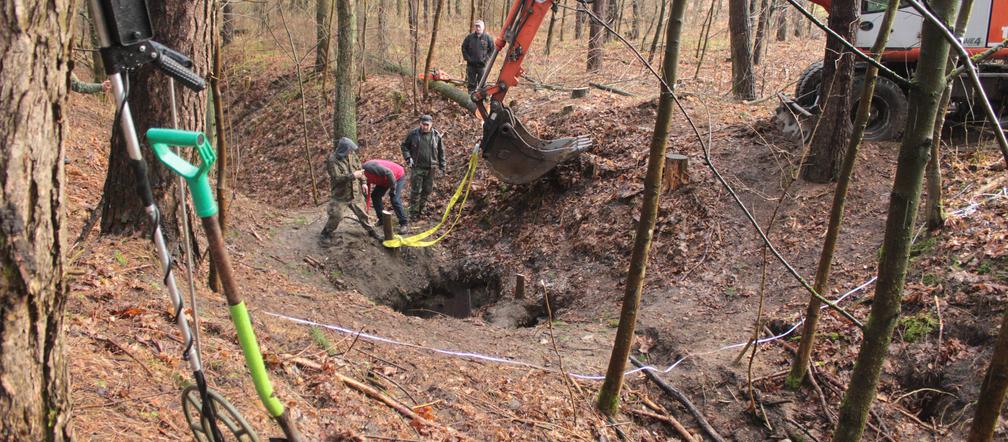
column 400, row 323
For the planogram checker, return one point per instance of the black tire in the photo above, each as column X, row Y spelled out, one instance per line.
column 807, row 89
column 888, row 114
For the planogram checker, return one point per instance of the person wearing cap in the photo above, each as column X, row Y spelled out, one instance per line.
column 422, row 150
column 341, row 164
column 385, row 177
column 476, row 50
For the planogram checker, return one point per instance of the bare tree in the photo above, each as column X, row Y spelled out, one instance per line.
column 595, row 40
column 34, row 396
column 322, row 29
column 185, row 26
column 904, row 200
column 345, row 103
column 833, row 129
column 759, row 45
column 743, row 77
column 992, row 390
column 608, row 401
column 228, row 23
column 433, row 42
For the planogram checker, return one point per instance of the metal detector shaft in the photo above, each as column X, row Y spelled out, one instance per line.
column 243, row 324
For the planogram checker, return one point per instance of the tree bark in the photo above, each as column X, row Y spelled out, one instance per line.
column 782, row 21
column 759, row 46
column 743, row 77
column 549, row 33
column 433, row 43
column 345, row 104
column 185, row 26
column 595, row 36
column 992, row 390
column 579, row 19
column 472, row 13
column 934, row 207
column 926, row 89
column 563, row 19
column 221, row 146
column 608, row 401
column 97, row 67
column 634, row 31
column 834, row 125
column 804, row 354
column 658, row 30
column 322, row 8
column 34, row 392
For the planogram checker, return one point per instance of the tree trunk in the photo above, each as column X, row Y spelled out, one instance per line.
column 926, row 90
column 221, row 147
column 362, row 10
column 383, row 43
column 934, row 207
column 549, row 33
column 185, row 26
column 634, row 31
column 34, row 393
column 782, row 21
column 759, row 46
column 595, row 40
column 611, row 17
column 472, row 13
column 322, row 8
column 992, row 390
column 345, row 104
column 97, row 67
column 743, row 77
column 834, row 125
column 228, row 24
column 608, row 401
column 430, row 51
column 414, row 52
column 563, row 19
column 579, row 18
column 804, row 355
column 426, row 12
column 657, row 32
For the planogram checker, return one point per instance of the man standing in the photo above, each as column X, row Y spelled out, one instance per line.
column 385, row 177
column 421, row 149
column 341, row 164
column 476, row 50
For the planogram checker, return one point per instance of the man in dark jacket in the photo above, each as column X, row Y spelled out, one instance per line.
column 385, row 177
column 476, row 50
column 422, row 149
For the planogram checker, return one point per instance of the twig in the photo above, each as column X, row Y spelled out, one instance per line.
column 401, row 409
column 128, row 399
column 563, row 372
column 669, row 420
column 800, row 427
column 679, row 396
column 124, row 350
column 403, row 389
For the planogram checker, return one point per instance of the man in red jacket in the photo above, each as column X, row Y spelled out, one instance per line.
column 383, row 176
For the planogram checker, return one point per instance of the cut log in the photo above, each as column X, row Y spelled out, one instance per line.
column 446, row 90
column 614, row 90
column 579, row 92
column 519, row 292
column 676, row 172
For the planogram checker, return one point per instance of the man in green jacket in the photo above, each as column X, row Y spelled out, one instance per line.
column 422, row 149
column 341, row 164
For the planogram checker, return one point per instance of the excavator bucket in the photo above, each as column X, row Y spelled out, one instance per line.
column 516, row 156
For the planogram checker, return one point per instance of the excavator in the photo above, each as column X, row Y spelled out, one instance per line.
column 987, row 29
column 513, row 153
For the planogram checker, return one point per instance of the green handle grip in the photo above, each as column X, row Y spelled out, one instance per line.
column 254, row 359
column 196, row 175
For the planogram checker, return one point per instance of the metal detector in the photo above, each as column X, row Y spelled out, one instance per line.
column 125, row 34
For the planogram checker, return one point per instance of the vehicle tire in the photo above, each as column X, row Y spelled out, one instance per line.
column 888, row 113
column 807, row 89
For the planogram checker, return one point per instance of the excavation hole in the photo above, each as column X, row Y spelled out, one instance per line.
column 457, row 299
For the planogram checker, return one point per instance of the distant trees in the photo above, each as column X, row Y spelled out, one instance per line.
column 743, row 77
column 186, row 26
column 595, row 37
column 34, row 394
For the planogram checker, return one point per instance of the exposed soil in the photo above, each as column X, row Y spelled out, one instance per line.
column 570, row 234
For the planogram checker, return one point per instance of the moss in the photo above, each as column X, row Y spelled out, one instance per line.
column 930, row 279
column 915, row 327
column 923, row 246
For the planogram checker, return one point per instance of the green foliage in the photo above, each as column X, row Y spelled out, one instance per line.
column 923, row 246
column 915, row 327
column 322, row 341
column 119, row 257
column 930, row 279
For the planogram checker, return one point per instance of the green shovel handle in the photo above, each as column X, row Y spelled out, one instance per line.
column 196, row 175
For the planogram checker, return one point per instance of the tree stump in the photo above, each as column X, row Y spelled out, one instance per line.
column 386, row 218
column 676, row 172
column 519, row 292
column 579, row 92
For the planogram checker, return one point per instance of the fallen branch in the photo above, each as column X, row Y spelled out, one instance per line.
column 679, row 396
column 669, row 420
column 400, row 408
column 445, row 89
column 614, row 90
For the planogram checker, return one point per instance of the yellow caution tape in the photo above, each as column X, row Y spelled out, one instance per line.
column 462, row 191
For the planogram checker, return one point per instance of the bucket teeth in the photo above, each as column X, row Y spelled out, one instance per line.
column 518, row 157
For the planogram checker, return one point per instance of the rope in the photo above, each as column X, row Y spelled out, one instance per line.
column 505, row 360
column 461, row 191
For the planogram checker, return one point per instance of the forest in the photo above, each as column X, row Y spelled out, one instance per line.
column 447, row 220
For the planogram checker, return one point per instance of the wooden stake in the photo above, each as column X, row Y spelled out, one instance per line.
column 386, row 218
column 519, row 291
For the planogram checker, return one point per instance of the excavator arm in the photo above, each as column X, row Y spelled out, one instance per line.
column 515, row 155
